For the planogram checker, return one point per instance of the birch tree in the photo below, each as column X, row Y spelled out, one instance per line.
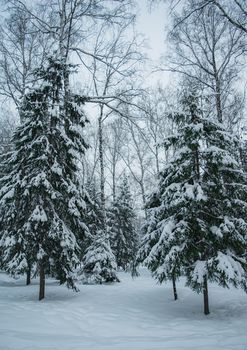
column 208, row 51
column 21, row 50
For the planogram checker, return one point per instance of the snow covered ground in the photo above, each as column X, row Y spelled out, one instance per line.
column 132, row 315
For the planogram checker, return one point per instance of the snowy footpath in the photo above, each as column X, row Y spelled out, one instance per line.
column 132, row 315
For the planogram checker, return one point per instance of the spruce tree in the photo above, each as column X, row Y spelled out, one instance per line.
column 122, row 226
column 42, row 200
column 198, row 219
column 98, row 262
column 94, row 216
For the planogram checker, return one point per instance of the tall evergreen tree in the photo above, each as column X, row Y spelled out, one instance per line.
column 198, row 214
column 123, row 233
column 42, row 201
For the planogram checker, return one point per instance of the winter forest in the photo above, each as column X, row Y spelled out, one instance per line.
column 123, row 174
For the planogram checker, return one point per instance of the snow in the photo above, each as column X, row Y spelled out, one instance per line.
column 56, row 169
column 134, row 315
column 9, row 193
column 39, row 214
column 200, row 271
column 230, row 267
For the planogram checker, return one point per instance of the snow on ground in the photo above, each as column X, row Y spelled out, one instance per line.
column 131, row 315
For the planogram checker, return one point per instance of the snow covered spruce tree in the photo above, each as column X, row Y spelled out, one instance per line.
column 43, row 203
column 94, row 213
column 98, row 262
column 197, row 217
column 123, row 233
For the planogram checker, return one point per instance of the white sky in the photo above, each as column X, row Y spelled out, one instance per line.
column 152, row 24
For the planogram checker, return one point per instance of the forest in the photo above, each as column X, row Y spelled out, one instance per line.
column 122, row 170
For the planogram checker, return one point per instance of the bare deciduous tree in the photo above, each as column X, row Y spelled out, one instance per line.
column 21, row 51
column 115, row 138
column 208, row 51
column 235, row 11
column 112, row 84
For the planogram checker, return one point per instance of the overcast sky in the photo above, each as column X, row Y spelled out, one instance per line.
column 153, row 24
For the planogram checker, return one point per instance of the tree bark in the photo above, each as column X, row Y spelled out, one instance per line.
column 41, row 281
column 174, row 288
column 218, row 101
column 102, row 170
column 114, row 182
column 218, row 96
column 28, row 277
column 157, row 160
column 205, row 295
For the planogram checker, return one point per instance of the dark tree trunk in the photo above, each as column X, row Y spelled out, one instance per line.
column 101, row 158
column 205, row 296
column 41, row 281
column 114, row 182
column 143, row 197
column 174, row 288
column 218, row 94
column 102, row 169
column 218, row 104
column 157, row 160
column 28, row 279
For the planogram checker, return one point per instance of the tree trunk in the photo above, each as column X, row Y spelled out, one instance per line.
column 102, row 170
column 218, row 95
column 114, row 182
column 143, row 197
column 205, row 295
column 41, row 281
column 157, row 160
column 218, row 102
column 28, row 279
column 174, row 288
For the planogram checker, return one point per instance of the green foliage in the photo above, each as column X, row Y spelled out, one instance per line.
column 197, row 216
column 122, row 226
column 42, row 201
column 99, row 264
column 98, row 261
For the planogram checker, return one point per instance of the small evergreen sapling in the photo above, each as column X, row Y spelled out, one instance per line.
column 99, row 264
